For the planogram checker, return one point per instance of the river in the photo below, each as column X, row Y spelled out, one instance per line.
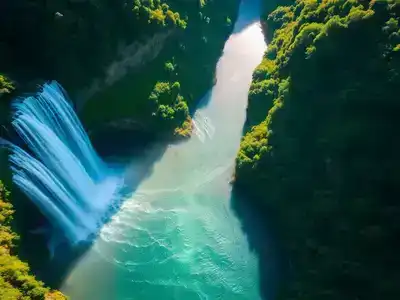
column 176, row 236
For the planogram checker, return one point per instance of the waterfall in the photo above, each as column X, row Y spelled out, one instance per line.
column 62, row 174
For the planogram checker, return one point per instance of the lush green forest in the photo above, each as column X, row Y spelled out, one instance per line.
column 321, row 152
column 162, row 94
column 71, row 41
column 74, row 42
column 15, row 281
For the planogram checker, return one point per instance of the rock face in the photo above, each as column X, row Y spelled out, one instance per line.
column 72, row 41
column 127, row 124
column 128, row 58
column 321, row 155
column 90, row 46
column 160, row 80
column 134, row 55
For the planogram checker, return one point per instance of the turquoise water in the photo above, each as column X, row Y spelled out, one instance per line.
column 176, row 236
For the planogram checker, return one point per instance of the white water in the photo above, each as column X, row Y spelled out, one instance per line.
column 177, row 236
column 63, row 176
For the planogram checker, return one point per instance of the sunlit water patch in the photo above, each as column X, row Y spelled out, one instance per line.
column 176, row 236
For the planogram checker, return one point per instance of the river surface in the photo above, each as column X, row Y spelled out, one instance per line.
column 176, row 236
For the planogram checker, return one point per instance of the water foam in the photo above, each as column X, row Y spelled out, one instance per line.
column 62, row 174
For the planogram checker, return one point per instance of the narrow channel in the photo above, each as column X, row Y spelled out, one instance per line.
column 177, row 237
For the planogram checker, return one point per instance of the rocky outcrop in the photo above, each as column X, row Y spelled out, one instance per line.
column 321, row 155
column 129, row 57
column 125, row 124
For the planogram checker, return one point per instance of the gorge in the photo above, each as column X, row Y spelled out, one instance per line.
column 179, row 220
column 64, row 177
column 226, row 169
column 166, row 223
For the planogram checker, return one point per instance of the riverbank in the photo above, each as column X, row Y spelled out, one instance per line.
column 117, row 62
column 320, row 153
column 162, row 95
column 177, row 236
column 147, row 60
column 15, row 279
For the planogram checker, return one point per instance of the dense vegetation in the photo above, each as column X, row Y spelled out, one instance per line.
column 15, row 281
column 71, row 41
column 162, row 94
column 74, row 42
column 321, row 152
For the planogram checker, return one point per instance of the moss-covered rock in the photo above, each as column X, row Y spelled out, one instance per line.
column 16, row 282
column 321, row 149
column 110, row 56
column 185, row 59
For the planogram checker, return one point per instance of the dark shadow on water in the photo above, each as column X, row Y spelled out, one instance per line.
column 116, row 150
column 119, row 147
column 203, row 102
column 255, row 224
column 249, row 13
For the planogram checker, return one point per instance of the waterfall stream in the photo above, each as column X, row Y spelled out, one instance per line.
column 62, row 175
column 176, row 235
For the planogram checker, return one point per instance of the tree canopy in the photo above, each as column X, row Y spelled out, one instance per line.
column 320, row 152
column 16, row 282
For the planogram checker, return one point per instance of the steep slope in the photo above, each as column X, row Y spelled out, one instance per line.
column 321, row 151
column 129, row 53
column 161, row 93
column 71, row 41
column 122, row 62
column 15, row 281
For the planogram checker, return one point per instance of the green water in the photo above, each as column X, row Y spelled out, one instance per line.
column 177, row 237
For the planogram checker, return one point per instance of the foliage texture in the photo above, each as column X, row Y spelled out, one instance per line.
column 321, row 152
column 15, row 281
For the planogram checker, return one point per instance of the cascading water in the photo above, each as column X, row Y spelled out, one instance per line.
column 64, row 176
